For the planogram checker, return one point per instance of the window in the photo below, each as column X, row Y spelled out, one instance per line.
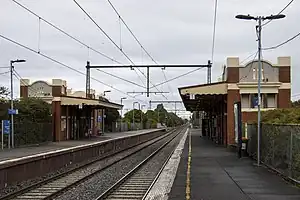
column 245, row 101
column 253, row 100
column 272, row 101
column 255, row 74
column 267, row 101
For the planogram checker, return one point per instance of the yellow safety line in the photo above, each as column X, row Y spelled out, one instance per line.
column 188, row 174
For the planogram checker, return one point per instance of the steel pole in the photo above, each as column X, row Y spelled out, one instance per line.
column 11, row 106
column 133, row 116
column 259, row 92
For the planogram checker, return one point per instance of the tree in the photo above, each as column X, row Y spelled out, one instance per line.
column 138, row 115
column 32, row 123
column 4, row 92
column 296, row 104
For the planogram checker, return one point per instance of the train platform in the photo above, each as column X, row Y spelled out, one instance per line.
column 8, row 154
column 215, row 173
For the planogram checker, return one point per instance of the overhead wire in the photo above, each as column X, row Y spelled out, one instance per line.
column 65, row 33
column 136, row 39
column 244, row 60
column 214, row 31
column 114, row 43
column 110, row 74
column 64, row 65
column 279, row 12
column 180, row 76
column 18, row 76
column 250, row 69
column 3, row 73
column 281, row 44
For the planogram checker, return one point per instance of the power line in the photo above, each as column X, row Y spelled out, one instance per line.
column 18, row 76
column 120, row 78
column 65, row 33
column 214, row 31
column 248, row 57
column 64, row 65
column 3, row 73
column 165, row 76
column 177, row 77
column 250, row 67
column 136, row 39
column 279, row 12
column 83, row 10
column 283, row 43
column 139, row 77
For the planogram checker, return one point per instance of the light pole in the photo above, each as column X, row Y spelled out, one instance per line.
column 142, row 123
column 11, row 99
column 258, row 29
column 121, row 113
column 133, row 111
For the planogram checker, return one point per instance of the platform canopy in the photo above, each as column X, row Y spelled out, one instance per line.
column 203, row 97
column 68, row 100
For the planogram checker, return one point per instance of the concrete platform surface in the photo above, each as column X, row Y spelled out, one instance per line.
column 8, row 154
column 217, row 174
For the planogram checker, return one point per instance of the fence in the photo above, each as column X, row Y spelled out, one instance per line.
column 30, row 133
column 280, row 147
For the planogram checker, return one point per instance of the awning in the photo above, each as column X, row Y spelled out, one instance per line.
column 205, row 89
column 203, row 97
column 83, row 101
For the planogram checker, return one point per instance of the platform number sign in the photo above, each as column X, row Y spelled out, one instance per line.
column 6, row 127
column 5, row 131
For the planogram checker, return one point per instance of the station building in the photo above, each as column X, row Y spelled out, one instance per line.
column 214, row 103
column 73, row 115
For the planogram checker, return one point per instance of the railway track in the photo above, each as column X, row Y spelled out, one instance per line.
column 136, row 184
column 55, row 186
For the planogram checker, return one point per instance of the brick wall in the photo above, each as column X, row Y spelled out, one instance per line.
column 283, row 98
column 249, row 117
column 232, row 97
column 23, row 91
column 233, row 75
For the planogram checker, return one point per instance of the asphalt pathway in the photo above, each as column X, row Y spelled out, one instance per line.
column 218, row 174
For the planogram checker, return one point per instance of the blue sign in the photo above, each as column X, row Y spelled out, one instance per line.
column 99, row 119
column 6, row 127
column 12, row 112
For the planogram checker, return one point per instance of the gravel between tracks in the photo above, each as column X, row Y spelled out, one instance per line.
column 106, row 161
column 96, row 185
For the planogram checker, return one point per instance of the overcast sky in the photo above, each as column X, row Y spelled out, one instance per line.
column 172, row 31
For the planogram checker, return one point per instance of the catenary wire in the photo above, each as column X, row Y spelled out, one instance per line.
column 83, row 10
column 18, row 76
column 65, row 33
column 64, row 65
column 250, row 69
column 214, row 31
column 281, row 44
column 279, row 12
column 177, row 77
column 110, row 74
column 136, row 39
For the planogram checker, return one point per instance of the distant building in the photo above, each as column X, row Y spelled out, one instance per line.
column 74, row 115
column 239, row 83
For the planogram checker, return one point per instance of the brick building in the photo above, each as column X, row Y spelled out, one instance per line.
column 73, row 115
column 239, row 83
